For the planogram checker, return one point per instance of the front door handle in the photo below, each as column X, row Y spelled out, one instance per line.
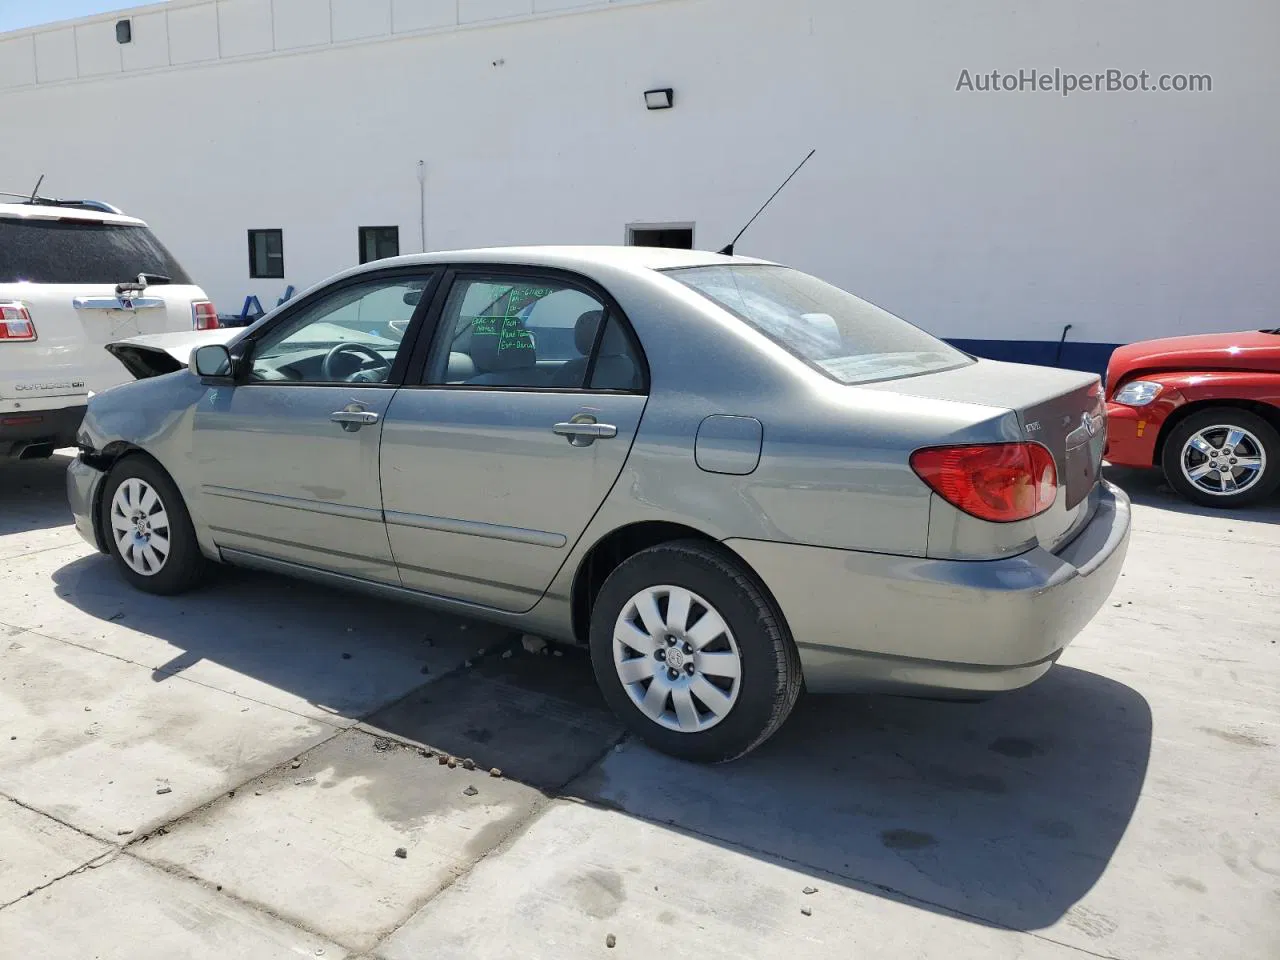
column 584, row 432
column 353, row 418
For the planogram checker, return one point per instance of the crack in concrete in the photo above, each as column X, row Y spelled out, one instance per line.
column 176, row 821
column 507, row 840
column 91, row 864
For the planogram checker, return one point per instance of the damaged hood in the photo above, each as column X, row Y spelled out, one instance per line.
column 155, row 354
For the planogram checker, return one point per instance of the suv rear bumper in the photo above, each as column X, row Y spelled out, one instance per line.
column 943, row 628
column 23, row 429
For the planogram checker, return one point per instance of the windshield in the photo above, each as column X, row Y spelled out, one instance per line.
column 846, row 338
column 81, row 251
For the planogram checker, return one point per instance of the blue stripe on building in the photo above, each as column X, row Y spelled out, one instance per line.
column 1090, row 357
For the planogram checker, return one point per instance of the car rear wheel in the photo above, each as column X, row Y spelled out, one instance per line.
column 690, row 653
column 1223, row 457
column 148, row 529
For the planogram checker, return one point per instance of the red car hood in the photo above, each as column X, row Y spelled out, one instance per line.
column 1250, row 350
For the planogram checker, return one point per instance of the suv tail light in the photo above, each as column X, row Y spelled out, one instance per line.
column 15, row 323
column 1000, row 482
column 203, row 315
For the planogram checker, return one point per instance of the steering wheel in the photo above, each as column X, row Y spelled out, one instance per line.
column 327, row 367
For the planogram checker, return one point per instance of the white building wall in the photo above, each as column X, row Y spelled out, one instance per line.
column 985, row 215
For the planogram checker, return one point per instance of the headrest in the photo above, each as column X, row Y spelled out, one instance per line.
column 461, row 367
column 584, row 336
column 584, row 331
column 501, row 343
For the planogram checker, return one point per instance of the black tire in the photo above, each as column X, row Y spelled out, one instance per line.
column 771, row 676
column 184, row 566
column 1268, row 438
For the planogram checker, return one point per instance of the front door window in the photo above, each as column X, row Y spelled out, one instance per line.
column 349, row 336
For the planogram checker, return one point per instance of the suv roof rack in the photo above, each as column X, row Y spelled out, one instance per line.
column 27, row 200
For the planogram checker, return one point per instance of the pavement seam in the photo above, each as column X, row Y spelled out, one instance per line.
column 179, row 675
column 174, row 870
column 507, row 840
column 80, row 868
column 32, row 553
column 177, row 821
column 98, row 860
column 57, row 820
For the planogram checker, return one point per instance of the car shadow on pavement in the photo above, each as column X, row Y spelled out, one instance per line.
column 33, row 495
column 283, row 641
column 1148, row 488
column 1005, row 812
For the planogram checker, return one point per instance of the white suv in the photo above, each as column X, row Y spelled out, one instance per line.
column 74, row 276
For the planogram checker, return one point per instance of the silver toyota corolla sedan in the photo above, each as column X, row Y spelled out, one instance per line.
column 730, row 480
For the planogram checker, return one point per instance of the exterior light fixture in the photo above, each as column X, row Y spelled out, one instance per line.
column 124, row 31
column 663, row 99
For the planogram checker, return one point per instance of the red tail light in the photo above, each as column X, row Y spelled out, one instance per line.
column 203, row 315
column 1000, row 482
column 15, row 323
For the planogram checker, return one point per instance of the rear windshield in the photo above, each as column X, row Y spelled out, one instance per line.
column 846, row 338
column 81, row 251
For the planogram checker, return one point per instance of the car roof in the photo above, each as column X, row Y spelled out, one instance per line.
column 572, row 257
column 27, row 211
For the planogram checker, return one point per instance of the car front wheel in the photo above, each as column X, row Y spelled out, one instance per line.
column 690, row 653
column 148, row 530
column 1223, row 457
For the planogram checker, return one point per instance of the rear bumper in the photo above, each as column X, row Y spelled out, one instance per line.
column 22, row 428
column 83, row 484
column 942, row 628
column 1131, row 435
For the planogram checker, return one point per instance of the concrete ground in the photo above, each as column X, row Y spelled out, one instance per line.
column 233, row 774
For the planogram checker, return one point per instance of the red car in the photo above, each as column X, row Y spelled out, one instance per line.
column 1206, row 409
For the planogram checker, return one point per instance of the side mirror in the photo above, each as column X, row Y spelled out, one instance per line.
column 212, row 361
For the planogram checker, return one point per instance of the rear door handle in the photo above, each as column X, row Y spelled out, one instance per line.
column 585, row 432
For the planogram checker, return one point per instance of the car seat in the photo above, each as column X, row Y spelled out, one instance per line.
column 615, row 368
column 503, row 352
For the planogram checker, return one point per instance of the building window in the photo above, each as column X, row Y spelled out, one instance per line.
column 266, row 254
column 377, row 243
column 677, row 236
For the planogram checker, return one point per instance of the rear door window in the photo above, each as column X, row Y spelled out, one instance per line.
column 82, row 251
column 526, row 332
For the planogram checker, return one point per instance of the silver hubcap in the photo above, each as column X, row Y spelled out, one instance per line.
column 140, row 526
column 677, row 659
column 1223, row 460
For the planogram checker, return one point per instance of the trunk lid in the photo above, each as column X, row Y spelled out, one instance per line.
column 1064, row 410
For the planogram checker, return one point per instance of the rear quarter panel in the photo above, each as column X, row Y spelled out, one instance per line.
column 834, row 467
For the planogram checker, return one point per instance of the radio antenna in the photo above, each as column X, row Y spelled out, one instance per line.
column 37, row 188
column 728, row 251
